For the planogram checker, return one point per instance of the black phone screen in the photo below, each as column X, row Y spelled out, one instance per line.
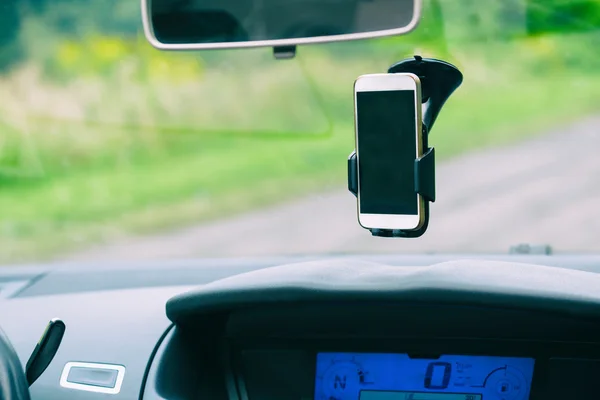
column 387, row 143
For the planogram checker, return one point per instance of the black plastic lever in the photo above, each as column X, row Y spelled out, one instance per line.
column 45, row 350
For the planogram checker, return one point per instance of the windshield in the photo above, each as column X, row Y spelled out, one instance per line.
column 110, row 149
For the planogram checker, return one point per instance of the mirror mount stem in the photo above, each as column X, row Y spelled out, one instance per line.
column 284, row 52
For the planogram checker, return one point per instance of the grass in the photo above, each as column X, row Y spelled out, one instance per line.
column 70, row 181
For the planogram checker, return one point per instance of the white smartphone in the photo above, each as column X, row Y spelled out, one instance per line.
column 387, row 112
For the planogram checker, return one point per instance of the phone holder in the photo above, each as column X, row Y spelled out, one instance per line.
column 439, row 80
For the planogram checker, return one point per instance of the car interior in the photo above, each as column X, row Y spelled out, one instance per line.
column 281, row 328
column 518, row 325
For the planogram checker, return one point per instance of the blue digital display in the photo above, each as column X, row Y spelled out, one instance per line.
column 383, row 376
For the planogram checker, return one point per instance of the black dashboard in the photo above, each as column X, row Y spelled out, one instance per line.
column 356, row 328
column 416, row 363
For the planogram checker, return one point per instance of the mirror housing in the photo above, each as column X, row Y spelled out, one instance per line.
column 227, row 24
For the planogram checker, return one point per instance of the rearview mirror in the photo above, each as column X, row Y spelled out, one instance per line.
column 219, row 24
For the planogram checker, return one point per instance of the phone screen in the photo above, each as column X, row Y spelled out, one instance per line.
column 387, row 143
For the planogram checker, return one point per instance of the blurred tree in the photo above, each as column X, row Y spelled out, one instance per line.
column 62, row 18
column 473, row 21
column 10, row 23
column 562, row 16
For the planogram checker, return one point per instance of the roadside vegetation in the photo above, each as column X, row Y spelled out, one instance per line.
column 102, row 136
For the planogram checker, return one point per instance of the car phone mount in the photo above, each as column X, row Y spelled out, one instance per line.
column 439, row 80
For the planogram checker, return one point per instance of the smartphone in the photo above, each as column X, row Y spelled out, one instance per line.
column 387, row 110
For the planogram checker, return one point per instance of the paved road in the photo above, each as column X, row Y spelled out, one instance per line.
column 545, row 190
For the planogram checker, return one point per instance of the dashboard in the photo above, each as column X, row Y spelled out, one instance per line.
column 410, row 351
column 343, row 328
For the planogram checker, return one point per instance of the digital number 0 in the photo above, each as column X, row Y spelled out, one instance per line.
column 438, row 375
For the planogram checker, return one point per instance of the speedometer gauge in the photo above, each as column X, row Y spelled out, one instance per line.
column 506, row 383
column 394, row 376
column 342, row 380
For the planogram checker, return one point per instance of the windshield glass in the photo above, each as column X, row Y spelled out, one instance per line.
column 110, row 149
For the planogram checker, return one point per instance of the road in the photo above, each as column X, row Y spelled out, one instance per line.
column 545, row 190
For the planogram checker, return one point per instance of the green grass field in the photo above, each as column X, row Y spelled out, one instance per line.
column 86, row 158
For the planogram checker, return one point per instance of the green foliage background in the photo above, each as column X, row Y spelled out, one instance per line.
column 102, row 136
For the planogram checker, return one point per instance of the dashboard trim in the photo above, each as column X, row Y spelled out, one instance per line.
column 91, row 388
column 462, row 282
